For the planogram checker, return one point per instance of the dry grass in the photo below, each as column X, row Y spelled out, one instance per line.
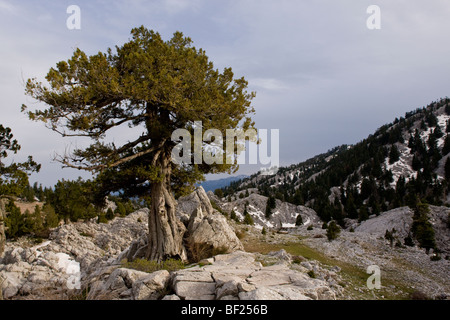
column 24, row 206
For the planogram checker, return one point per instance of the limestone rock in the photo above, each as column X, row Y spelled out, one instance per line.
column 151, row 286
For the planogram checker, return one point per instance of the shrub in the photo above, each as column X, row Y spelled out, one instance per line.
column 418, row 295
column 109, row 214
column 248, row 219
column 311, row 274
column 121, row 210
column 299, row 220
column 435, row 257
column 333, row 231
column 310, row 227
column 102, row 218
column 233, row 216
column 199, row 251
column 240, row 234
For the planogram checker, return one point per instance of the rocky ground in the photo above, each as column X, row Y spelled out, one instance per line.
column 87, row 260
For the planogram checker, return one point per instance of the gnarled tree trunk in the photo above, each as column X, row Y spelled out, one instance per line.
column 165, row 238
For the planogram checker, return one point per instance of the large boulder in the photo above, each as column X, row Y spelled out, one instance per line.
column 208, row 231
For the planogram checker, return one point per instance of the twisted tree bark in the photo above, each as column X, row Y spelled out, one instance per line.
column 165, row 238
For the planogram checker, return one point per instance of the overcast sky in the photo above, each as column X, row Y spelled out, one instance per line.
column 321, row 76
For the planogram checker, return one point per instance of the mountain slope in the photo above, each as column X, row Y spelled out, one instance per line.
column 399, row 164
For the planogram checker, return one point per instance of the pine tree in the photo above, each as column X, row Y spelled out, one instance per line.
column 447, row 169
column 248, row 219
column 51, row 218
column 333, row 230
column 270, row 205
column 422, row 229
column 14, row 222
column 446, row 147
column 159, row 87
column 394, row 154
column 13, row 177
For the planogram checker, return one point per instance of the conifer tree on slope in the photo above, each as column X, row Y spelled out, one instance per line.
column 153, row 85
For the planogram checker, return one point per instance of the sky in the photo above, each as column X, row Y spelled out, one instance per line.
column 321, row 76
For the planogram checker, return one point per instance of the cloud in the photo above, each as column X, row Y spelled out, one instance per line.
column 268, row 84
column 7, row 7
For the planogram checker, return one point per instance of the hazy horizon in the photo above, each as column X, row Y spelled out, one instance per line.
column 322, row 77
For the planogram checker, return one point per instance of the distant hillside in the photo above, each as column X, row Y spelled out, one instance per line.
column 402, row 163
column 212, row 185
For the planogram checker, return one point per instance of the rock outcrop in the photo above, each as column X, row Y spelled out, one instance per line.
column 234, row 276
column 57, row 268
column 240, row 276
column 87, row 254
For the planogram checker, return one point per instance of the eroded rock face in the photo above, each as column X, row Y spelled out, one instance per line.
column 74, row 254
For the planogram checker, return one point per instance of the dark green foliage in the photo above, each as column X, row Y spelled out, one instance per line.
column 219, row 193
column 120, row 210
column 447, row 169
column 394, row 154
column 422, row 229
column 51, row 218
column 233, row 216
column 37, row 223
column 299, row 220
column 109, row 215
column 363, row 214
column 390, row 236
column 14, row 222
column 101, row 218
column 13, row 176
column 409, row 241
column 73, row 200
column 333, row 231
column 270, row 205
column 248, row 218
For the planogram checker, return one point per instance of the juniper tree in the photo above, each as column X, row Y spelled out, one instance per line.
column 13, row 176
column 155, row 87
